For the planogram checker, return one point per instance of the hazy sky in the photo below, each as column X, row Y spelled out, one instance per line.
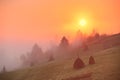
column 24, row 22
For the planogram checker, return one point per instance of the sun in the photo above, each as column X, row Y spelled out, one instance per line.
column 83, row 26
column 82, row 22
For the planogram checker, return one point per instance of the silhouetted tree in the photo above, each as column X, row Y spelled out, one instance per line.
column 64, row 43
column 85, row 46
column 4, row 70
column 51, row 58
column 63, row 50
column 24, row 59
column 32, row 64
column 36, row 49
column 104, row 36
column 91, row 60
column 97, row 35
column 36, row 54
column 34, row 57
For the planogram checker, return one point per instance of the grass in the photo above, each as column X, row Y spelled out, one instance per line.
column 106, row 68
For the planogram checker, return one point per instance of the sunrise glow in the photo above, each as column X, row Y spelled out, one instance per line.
column 84, row 27
column 82, row 22
column 35, row 32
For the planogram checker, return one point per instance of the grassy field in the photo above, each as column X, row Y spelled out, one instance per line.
column 106, row 68
column 106, row 52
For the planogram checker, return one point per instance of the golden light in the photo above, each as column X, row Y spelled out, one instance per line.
column 83, row 26
column 82, row 22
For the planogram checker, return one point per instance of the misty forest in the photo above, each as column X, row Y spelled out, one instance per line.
column 66, row 59
column 59, row 39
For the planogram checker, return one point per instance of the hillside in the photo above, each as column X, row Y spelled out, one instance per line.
column 106, row 67
column 102, row 43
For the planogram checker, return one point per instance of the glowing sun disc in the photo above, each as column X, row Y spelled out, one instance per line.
column 82, row 22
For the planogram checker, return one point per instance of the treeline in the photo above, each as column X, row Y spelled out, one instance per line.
column 37, row 56
column 63, row 50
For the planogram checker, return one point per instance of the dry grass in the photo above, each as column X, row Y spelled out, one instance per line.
column 80, row 77
column 106, row 68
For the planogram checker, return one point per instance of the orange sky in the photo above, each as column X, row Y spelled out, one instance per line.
column 49, row 20
column 25, row 22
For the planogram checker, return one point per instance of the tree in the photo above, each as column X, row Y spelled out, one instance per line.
column 51, row 58
column 63, row 49
column 4, row 69
column 97, row 35
column 24, row 59
column 36, row 54
column 34, row 57
column 85, row 46
column 64, row 42
column 36, row 49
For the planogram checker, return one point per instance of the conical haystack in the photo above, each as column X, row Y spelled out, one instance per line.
column 91, row 60
column 78, row 64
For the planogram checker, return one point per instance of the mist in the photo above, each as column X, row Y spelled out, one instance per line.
column 24, row 23
column 12, row 49
column 10, row 53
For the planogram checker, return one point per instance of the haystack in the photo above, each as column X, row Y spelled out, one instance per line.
column 78, row 64
column 91, row 60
